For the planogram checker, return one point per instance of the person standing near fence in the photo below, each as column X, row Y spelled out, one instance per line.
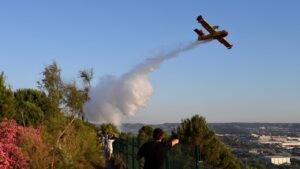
column 154, row 152
column 110, row 141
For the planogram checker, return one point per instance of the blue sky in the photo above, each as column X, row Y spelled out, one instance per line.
column 256, row 81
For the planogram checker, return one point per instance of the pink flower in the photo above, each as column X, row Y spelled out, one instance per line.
column 11, row 156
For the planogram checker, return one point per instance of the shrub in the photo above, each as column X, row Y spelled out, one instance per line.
column 22, row 147
column 11, row 156
column 37, row 151
column 79, row 148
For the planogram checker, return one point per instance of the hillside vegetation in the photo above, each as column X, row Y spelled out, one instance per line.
column 45, row 127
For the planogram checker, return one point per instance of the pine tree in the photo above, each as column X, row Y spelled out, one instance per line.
column 196, row 131
column 145, row 133
column 7, row 101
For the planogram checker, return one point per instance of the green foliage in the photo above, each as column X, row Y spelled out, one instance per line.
column 68, row 95
column 75, row 143
column 60, row 139
column 250, row 167
column 109, row 128
column 79, row 146
column 32, row 106
column 52, row 127
column 7, row 101
column 29, row 114
column 34, row 147
column 145, row 133
column 74, row 98
column 86, row 76
column 182, row 157
column 126, row 136
column 52, row 84
column 118, row 161
column 195, row 131
column 295, row 161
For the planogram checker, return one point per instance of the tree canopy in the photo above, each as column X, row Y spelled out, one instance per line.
column 196, row 131
column 32, row 106
column 52, row 85
column 145, row 132
column 7, row 101
column 109, row 128
column 54, row 135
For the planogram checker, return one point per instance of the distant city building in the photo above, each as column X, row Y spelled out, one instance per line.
column 283, row 141
column 262, row 128
column 265, row 138
column 255, row 135
column 253, row 151
column 290, row 144
column 293, row 138
column 277, row 160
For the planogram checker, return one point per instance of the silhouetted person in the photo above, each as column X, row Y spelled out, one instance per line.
column 110, row 141
column 155, row 151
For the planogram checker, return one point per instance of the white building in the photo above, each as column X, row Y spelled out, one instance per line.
column 277, row 160
column 290, row 144
column 270, row 139
column 293, row 139
column 283, row 141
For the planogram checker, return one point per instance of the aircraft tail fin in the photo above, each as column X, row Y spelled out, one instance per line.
column 216, row 27
column 200, row 33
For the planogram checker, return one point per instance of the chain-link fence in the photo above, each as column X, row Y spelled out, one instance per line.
column 182, row 156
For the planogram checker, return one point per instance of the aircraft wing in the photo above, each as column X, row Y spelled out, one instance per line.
column 206, row 25
column 225, row 42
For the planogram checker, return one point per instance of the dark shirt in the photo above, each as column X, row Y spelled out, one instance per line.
column 154, row 153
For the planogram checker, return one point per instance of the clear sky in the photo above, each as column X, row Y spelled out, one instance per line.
column 258, row 80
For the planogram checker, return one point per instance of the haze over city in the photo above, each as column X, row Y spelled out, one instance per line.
column 255, row 81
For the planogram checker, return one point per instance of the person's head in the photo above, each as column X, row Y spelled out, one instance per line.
column 157, row 134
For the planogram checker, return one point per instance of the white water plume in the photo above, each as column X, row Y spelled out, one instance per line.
column 114, row 97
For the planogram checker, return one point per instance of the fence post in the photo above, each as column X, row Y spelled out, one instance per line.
column 123, row 149
column 118, row 146
column 139, row 145
column 127, row 153
column 133, row 154
column 198, row 157
column 115, row 147
column 167, row 161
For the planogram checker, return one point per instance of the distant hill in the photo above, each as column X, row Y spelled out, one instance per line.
column 227, row 128
column 134, row 127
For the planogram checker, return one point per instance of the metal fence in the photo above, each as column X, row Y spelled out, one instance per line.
column 182, row 156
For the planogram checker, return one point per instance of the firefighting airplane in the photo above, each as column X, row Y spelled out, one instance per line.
column 213, row 34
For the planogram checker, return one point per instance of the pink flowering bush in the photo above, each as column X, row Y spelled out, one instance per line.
column 3, row 158
column 22, row 147
column 38, row 152
column 11, row 156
